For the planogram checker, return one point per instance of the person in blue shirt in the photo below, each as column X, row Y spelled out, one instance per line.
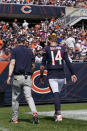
column 20, row 67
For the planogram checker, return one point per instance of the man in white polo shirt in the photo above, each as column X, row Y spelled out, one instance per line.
column 70, row 41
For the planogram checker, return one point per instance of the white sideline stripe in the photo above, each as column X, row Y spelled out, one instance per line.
column 72, row 114
column 3, row 129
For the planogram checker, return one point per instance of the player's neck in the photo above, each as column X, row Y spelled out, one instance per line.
column 53, row 44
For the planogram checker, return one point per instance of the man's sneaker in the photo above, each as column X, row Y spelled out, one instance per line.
column 14, row 121
column 58, row 118
column 35, row 120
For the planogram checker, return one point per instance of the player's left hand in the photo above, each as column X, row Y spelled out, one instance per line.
column 74, row 78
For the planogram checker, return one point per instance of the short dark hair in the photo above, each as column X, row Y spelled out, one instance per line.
column 20, row 39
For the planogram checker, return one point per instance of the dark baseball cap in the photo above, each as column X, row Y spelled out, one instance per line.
column 21, row 38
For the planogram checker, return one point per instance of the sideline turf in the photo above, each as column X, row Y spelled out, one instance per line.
column 46, row 123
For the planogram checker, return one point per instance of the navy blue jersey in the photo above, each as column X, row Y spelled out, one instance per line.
column 53, row 59
column 23, row 58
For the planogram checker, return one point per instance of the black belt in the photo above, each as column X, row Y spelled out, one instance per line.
column 22, row 73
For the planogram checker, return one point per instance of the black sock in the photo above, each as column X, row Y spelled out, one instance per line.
column 57, row 103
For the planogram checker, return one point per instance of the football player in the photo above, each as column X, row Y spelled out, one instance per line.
column 53, row 60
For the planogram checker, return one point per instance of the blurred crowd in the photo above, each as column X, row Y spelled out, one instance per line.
column 36, row 38
column 69, row 3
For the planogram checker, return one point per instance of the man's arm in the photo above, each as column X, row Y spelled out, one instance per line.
column 73, row 76
column 42, row 67
column 11, row 68
column 33, row 67
column 33, row 63
column 42, row 70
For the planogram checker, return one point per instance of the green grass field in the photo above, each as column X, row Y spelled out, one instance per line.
column 46, row 123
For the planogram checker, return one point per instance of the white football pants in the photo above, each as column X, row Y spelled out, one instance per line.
column 56, row 84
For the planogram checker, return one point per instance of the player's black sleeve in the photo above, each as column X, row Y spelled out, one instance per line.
column 44, row 58
column 68, row 63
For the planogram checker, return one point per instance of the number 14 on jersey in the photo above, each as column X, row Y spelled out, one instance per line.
column 56, row 57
